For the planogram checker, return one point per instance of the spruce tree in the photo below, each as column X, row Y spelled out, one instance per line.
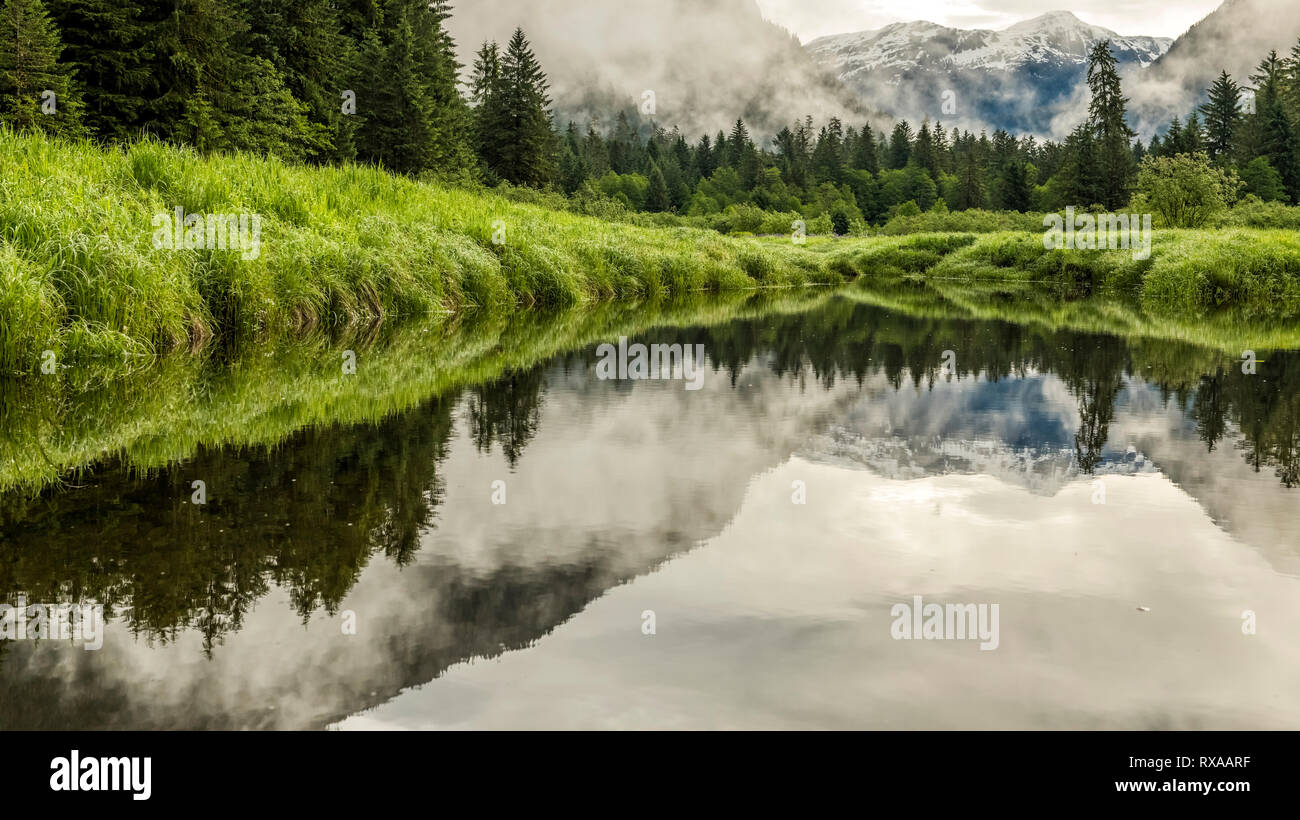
column 112, row 47
column 657, row 199
column 867, row 157
column 1222, row 118
column 1291, row 85
column 827, row 161
column 1106, row 114
column 900, row 146
column 1274, row 135
column 487, row 71
column 411, row 115
column 923, row 153
column 941, row 151
column 970, row 182
column 304, row 41
column 1173, row 142
column 737, row 143
column 1013, row 188
column 514, row 122
column 30, row 68
column 1080, row 184
column 704, row 166
column 1193, row 136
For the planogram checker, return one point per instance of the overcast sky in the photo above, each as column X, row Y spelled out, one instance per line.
column 816, row 18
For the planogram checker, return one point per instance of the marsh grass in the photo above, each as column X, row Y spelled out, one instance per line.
column 354, row 246
column 348, row 245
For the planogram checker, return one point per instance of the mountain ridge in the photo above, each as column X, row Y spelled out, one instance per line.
column 1022, row 78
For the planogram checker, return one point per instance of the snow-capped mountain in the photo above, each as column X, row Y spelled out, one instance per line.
column 1021, row 78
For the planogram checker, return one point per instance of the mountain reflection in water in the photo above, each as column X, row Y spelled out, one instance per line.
column 632, row 496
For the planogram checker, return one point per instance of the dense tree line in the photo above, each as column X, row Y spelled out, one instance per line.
column 310, row 80
column 872, row 175
column 378, row 81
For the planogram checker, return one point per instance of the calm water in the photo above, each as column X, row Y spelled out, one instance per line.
column 1123, row 503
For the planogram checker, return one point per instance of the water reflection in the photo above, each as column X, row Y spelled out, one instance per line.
column 228, row 615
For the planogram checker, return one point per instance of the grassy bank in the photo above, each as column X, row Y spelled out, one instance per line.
column 1193, row 274
column 352, row 247
column 80, row 276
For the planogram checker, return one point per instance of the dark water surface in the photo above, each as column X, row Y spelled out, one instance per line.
column 1125, row 503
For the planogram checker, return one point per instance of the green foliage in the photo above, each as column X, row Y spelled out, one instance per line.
column 1184, row 191
column 1263, row 180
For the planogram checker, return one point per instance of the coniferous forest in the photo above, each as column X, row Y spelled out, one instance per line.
column 377, row 82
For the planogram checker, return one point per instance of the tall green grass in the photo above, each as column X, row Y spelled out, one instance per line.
column 350, row 245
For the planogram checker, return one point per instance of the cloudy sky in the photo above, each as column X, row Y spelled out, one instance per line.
column 816, row 18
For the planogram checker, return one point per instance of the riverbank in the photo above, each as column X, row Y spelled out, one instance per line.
column 112, row 257
column 1191, row 274
column 92, row 267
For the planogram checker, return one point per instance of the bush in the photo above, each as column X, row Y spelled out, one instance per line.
column 1185, row 191
column 1252, row 213
column 972, row 221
